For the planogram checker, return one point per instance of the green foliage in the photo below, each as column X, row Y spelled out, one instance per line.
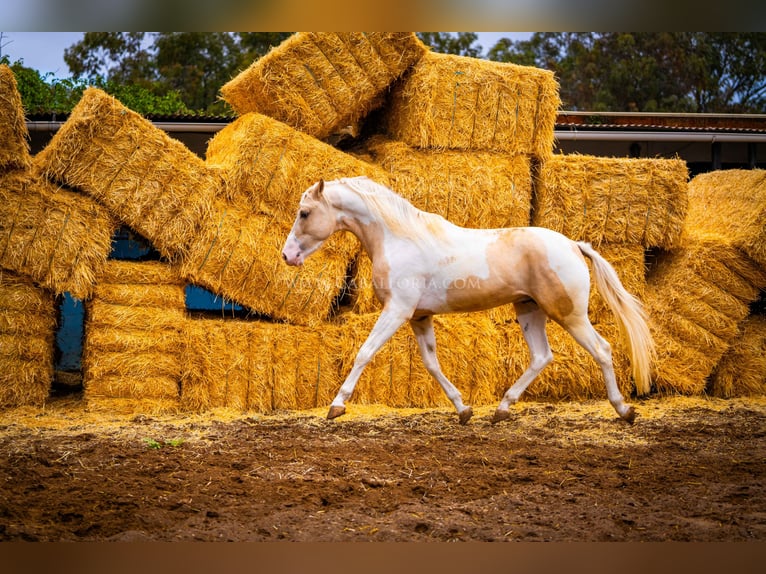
column 649, row 71
column 156, row 445
column 461, row 44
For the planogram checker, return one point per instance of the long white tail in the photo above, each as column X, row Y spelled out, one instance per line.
column 631, row 317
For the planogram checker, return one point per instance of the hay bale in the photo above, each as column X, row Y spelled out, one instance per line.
column 59, row 238
column 151, row 181
column 730, row 205
column 470, row 189
column 27, row 333
column 133, row 346
column 267, row 165
column 239, row 255
column 14, row 137
column 696, row 297
column 456, row 102
column 742, row 370
column 257, row 366
column 469, row 350
column 612, row 200
column 323, row 83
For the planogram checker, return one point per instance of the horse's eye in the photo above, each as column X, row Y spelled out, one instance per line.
column 303, row 214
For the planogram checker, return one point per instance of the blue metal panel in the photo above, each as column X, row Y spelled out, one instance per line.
column 70, row 333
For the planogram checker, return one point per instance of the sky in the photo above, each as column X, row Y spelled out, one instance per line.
column 44, row 51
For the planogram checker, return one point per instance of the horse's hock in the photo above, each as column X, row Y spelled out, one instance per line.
column 457, row 136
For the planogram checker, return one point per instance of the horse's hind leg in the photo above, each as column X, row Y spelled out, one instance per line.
column 424, row 333
column 532, row 320
column 583, row 332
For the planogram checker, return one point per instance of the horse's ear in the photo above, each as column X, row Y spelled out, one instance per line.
column 316, row 190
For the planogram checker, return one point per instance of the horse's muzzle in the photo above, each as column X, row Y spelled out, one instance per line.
column 292, row 253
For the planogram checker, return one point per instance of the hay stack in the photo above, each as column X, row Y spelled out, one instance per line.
column 471, row 189
column 699, row 294
column 133, row 347
column 14, row 138
column 730, row 205
column 696, row 297
column 612, row 200
column 151, row 181
column 239, row 255
column 457, row 102
column 324, row 83
column 27, row 333
column 267, row 165
column 469, row 350
column 59, row 238
column 742, row 370
column 258, row 366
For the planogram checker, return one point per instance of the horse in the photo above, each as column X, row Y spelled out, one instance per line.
column 424, row 265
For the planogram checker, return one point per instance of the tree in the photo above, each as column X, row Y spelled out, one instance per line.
column 461, row 44
column 655, row 71
column 192, row 64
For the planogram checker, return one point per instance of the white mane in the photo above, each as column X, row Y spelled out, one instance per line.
column 399, row 215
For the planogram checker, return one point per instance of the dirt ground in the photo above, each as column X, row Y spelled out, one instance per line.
column 689, row 469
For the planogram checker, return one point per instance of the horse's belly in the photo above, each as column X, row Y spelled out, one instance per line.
column 467, row 294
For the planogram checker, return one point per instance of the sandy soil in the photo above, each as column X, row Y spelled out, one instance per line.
column 690, row 469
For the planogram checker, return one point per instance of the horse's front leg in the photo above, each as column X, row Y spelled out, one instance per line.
column 424, row 333
column 391, row 318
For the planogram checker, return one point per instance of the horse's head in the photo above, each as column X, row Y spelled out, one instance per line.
column 314, row 223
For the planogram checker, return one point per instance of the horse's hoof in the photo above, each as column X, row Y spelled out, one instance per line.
column 630, row 416
column 465, row 415
column 500, row 416
column 335, row 412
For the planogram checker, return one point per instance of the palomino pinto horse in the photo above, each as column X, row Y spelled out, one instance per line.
column 424, row 265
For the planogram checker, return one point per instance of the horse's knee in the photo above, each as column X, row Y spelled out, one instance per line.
column 539, row 362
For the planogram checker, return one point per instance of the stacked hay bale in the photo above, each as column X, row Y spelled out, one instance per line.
column 700, row 292
column 324, row 83
column 27, row 333
column 455, row 102
column 622, row 207
column 225, row 236
column 258, row 366
column 133, row 349
column 266, row 167
column 58, row 238
column 742, row 369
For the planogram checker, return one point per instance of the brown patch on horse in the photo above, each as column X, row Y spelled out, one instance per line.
column 519, row 270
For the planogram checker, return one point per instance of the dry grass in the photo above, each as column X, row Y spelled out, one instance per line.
column 324, row 83
column 697, row 296
column 257, row 366
column 613, row 200
column 133, row 347
column 59, row 238
column 14, row 137
column 730, row 205
column 470, row 189
column 456, row 102
column 147, row 179
column 27, row 332
column 742, row 370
